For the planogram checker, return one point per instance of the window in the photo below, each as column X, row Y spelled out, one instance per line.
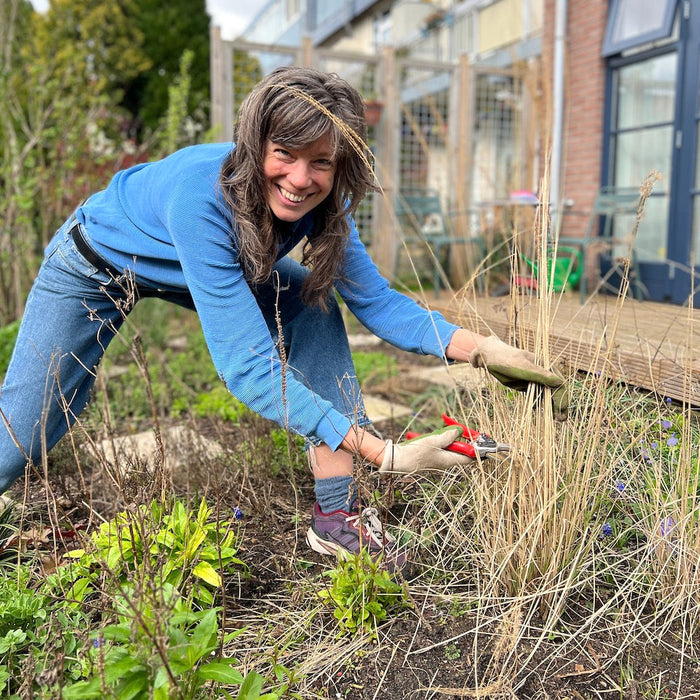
column 382, row 29
column 635, row 22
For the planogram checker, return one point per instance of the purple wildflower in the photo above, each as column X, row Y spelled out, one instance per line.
column 669, row 399
column 96, row 643
column 620, row 486
column 237, row 513
column 606, row 530
column 654, row 445
column 666, row 526
column 672, row 441
column 665, row 424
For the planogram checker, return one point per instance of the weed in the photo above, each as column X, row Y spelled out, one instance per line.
column 362, row 592
column 452, row 652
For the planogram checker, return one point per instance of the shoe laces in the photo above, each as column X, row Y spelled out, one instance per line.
column 372, row 526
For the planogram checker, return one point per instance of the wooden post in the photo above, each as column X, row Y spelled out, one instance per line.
column 228, row 88
column 462, row 177
column 462, row 260
column 385, row 234
column 215, row 81
column 307, row 59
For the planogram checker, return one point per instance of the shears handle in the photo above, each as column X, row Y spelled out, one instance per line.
column 466, row 432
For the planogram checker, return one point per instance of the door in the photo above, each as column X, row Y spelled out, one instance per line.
column 684, row 222
column 653, row 122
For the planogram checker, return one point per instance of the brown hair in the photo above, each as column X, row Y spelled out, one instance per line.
column 295, row 107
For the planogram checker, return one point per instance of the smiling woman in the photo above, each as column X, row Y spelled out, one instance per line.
column 210, row 228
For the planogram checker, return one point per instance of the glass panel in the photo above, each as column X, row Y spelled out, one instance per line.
column 636, row 18
column 695, row 243
column 650, row 244
column 635, row 22
column 324, row 11
column 697, row 158
column 646, row 92
column 639, row 152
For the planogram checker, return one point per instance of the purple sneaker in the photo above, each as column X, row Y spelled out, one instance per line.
column 342, row 533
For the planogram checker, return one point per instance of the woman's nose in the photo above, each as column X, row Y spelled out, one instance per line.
column 300, row 174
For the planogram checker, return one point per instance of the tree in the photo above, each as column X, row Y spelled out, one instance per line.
column 168, row 30
column 60, row 126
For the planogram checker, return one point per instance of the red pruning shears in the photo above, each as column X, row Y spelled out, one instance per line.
column 478, row 443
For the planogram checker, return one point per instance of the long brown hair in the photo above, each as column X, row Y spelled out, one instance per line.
column 295, row 107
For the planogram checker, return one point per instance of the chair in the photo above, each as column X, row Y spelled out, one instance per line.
column 422, row 220
column 609, row 202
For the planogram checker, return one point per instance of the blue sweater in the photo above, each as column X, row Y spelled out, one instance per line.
column 168, row 223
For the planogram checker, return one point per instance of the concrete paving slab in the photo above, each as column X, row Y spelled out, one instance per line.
column 179, row 442
column 462, row 374
column 379, row 409
column 363, row 340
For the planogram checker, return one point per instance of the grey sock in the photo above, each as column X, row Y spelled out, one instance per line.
column 335, row 493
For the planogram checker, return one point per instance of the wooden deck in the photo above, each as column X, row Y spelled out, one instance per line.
column 646, row 344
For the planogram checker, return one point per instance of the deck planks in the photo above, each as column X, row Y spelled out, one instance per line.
column 650, row 345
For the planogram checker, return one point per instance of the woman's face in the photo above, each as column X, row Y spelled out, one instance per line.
column 297, row 180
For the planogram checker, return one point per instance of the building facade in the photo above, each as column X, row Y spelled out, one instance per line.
column 631, row 111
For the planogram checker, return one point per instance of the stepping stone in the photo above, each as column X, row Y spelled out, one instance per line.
column 462, row 374
column 363, row 340
column 179, row 442
column 379, row 409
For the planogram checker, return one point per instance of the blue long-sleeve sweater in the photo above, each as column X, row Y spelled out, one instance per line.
column 168, row 223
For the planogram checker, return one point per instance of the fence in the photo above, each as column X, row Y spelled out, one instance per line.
column 459, row 129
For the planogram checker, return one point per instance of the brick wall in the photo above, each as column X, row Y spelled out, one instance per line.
column 584, row 102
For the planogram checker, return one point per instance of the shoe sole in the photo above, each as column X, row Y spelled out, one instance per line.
column 318, row 544
column 321, row 546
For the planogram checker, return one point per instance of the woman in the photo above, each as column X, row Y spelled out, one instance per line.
column 209, row 228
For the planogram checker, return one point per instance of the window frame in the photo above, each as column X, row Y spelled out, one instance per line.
column 613, row 46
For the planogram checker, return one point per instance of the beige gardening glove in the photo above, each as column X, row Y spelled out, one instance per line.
column 424, row 453
column 517, row 369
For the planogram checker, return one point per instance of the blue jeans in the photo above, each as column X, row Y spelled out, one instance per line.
column 74, row 310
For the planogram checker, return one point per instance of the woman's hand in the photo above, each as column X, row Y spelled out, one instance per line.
column 512, row 367
column 427, row 452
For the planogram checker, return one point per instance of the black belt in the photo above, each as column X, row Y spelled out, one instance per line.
column 88, row 253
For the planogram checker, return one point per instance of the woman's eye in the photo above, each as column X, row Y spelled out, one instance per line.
column 324, row 164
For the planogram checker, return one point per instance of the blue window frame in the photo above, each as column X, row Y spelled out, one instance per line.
column 635, row 22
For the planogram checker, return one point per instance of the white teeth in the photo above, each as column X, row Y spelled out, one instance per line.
column 292, row 197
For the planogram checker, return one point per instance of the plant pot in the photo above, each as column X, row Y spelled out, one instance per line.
column 373, row 111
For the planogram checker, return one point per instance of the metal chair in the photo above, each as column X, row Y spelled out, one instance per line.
column 609, row 202
column 422, row 220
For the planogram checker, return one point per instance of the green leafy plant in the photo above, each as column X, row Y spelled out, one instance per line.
column 373, row 366
column 150, row 629
column 179, row 545
column 157, row 657
column 452, row 652
column 362, row 592
column 221, row 403
column 36, row 630
column 8, row 335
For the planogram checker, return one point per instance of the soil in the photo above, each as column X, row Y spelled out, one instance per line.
column 429, row 651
